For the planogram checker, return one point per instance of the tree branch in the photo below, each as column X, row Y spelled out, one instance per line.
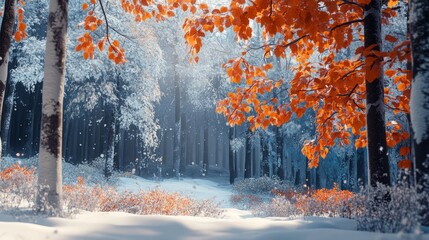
column 345, row 24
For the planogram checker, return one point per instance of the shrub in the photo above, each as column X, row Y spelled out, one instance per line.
column 331, row 202
column 107, row 199
column 387, row 209
column 262, row 185
column 279, row 206
column 246, row 201
column 17, row 186
column 322, row 202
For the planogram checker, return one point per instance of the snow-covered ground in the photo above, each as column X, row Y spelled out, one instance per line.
column 235, row 225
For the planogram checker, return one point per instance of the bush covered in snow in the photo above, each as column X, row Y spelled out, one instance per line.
column 262, row 185
column 387, row 209
column 17, row 187
column 380, row 209
column 279, row 206
column 247, row 201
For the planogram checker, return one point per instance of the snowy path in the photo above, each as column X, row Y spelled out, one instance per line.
column 236, row 225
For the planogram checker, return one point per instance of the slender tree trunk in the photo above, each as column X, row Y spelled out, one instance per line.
column 265, row 161
column 183, row 142
column 206, row 148
column 419, row 29
column 248, row 156
column 279, row 149
column 5, row 41
column 231, row 157
column 376, row 130
column 50, row 168
column 177, row 127
column 110, row 154
column 8, row 108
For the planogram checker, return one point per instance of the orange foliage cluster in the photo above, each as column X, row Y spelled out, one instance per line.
column 142, row 10
column 334, row 89
column 108, row 199
column 319, row 202
column 10, row 171
column 86, row 43
column 20, row 30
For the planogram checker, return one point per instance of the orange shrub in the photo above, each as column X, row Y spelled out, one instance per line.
column 13, row 169
column 18, row 186
column 324, row 201
column 107, row 199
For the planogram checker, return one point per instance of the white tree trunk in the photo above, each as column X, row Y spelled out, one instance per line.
column 50, row 169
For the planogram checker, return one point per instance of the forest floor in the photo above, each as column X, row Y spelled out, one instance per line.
column 235, row 224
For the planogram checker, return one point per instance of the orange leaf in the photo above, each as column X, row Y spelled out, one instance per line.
column 324, row 153
column 84, row 6
column 93, row 1
column 22, row 26
column 115, row 43
column 390, row 73
column 17, row 36
column 404, row 151
column 401, row 86
column 392, row 3
column 101, row 45
column 404, row 164
column 391, row 38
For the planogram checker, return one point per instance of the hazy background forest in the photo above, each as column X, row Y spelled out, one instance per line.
column 143, row 117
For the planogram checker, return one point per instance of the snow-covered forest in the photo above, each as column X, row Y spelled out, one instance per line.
column 281, row 119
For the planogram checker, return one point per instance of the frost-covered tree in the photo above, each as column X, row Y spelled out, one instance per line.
column 128, row 92
column 419, row 30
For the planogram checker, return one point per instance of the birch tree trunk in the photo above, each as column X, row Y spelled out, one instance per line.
column 49, row 172
column 419, row 29
column 376, row 129
column 5, row 41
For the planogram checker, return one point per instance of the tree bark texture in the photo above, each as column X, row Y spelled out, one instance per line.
column 5, row 41
column 376, row 129
column 50, row 168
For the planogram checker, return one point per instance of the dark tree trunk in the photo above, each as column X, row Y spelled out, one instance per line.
column 248, row 157
column 279, row 149
column 376, row 130
column 5, row 41
column 231, row 156
column 265, row 160
column 419, row 31
column 8, row 109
